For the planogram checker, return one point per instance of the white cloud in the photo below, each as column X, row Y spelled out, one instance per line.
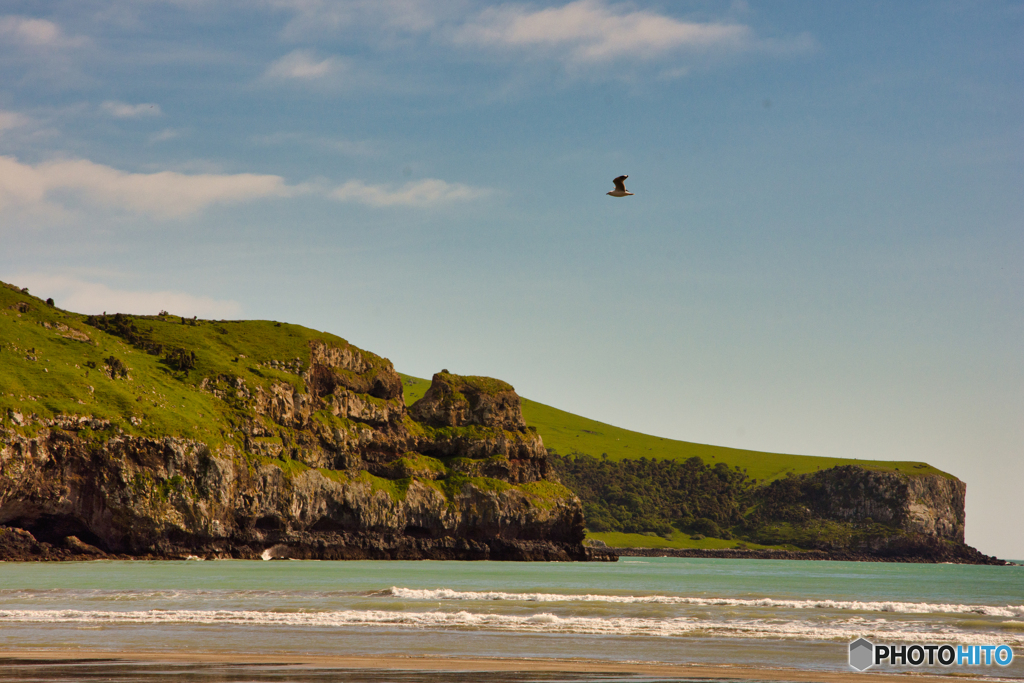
column 81, row 296
column 123, row 110
column 674, row 73
column 589, row 31
column 340, row 145
column 12, row 119
column 419, row 193
column 320, row 17
column 37, row 33
column 602, row 38
column 55, row 187
column 165, row 135
column 165, row 194
column 304, row 65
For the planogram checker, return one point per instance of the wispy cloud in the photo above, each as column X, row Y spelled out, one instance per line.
column 339, row 145
column 123, row 110
column 55, row 187
column 165, row 135
column 589, row 31
column 314, row 18
column 83, row 296
column 304, row 65
column 586, row 36
column 419, row 193
column 39, row 33
column 165, row 194
column 12, row 119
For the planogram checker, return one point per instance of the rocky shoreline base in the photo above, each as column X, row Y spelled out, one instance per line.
column 19, row 545
column 932, row 555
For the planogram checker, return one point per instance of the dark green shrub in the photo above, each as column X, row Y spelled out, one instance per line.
column 116, row 367
column 182, row 360
column 708, row 527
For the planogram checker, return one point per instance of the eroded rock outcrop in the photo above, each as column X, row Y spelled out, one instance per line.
column 930, row 505
column 481, row 420
column 904, row 516
column 456, row 401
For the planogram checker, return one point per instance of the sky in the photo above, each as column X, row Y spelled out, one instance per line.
column 822, row 255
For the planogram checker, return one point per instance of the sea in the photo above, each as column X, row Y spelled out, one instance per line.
column 763, row 614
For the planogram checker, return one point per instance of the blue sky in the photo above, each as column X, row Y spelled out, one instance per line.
column 822, row 255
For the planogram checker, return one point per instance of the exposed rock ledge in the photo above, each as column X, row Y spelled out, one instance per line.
column 921, row 553
column 19, row 545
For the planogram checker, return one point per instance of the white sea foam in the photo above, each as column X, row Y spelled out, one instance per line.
column 855, row 605
column 836, row 630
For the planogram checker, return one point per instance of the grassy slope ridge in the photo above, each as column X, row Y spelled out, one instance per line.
column 45, row 372
column 567, row 433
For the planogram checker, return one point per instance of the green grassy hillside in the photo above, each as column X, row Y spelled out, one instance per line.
column 567, row 434
column 54, row 362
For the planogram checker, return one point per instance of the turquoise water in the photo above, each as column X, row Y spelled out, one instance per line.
column 745, row 612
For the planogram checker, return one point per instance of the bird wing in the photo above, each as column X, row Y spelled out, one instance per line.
column 620, row 183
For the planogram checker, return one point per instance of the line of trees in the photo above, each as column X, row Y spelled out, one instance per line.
column 123, row 326
column 644, row 495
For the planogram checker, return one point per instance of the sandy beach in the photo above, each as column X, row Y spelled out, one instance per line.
column 399, row 662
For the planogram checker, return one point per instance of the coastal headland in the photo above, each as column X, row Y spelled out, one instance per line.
column 158, row 436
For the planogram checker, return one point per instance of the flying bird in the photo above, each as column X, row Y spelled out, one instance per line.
column 620, row 187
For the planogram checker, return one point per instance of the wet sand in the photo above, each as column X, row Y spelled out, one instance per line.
column 401, row 663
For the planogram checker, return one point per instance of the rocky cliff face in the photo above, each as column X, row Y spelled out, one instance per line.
column 312, row 456
column 454, row 401
column 175, row 497
column 929, row 505
column 885, row 514
column 480, row 419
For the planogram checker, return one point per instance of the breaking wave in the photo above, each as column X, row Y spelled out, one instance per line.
column 853, row 605
column 837, row 630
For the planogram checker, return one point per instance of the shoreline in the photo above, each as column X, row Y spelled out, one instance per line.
column 20, row 545
column 399, row 662
column 25, row 548
column 807, row 555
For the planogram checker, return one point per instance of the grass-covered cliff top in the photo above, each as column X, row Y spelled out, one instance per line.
column 567, row 433
column 483, row 385
column 56, row 362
